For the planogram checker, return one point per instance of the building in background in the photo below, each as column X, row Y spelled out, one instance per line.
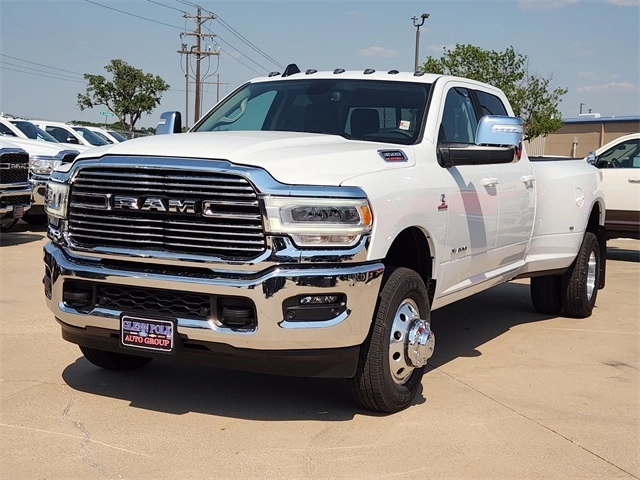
column 580, row 135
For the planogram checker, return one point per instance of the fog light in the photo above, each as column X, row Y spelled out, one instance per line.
column 318, row 299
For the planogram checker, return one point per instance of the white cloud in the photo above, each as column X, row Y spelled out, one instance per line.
column 378, row 52
column 624, row 3
column 583, row 74
column 608, row 87
column 440, row 48
column 547, row 4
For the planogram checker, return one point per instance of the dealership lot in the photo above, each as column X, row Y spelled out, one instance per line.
column 511, row 394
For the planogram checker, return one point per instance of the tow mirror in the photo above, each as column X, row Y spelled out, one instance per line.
column 170, row 122
column 591, row 158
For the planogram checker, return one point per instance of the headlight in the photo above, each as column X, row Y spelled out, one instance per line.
column 43, row 164
column 313, row 222
column 57, row 199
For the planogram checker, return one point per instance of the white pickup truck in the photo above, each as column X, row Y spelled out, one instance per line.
column 308, row 225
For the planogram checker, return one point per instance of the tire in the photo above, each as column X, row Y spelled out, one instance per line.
column 37, row 219
column 580, row 282
column 113, row 360
column 374, row 386
column 546, row 294
column 6, row 225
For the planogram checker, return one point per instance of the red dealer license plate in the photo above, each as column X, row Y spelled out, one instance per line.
column 147, row 334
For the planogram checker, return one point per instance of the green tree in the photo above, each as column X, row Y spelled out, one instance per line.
column 130, row 94
column 531, row 96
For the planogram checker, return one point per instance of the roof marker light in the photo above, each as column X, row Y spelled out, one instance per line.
column 274, row 74
column 369, row 71
column 311, row 71
column 338, row 71
column 393, row 72
column 418, row 73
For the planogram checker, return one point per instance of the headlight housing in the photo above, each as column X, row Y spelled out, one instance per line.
column 313, row 222
column 57, row 199
column 43, row 164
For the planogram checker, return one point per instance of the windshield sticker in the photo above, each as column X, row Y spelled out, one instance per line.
column 404, row 125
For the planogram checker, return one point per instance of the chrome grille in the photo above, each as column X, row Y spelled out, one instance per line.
column 232, row 229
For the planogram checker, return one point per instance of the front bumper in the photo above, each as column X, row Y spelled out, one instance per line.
column 9, row 199
column 268, row 290
column 39, row 185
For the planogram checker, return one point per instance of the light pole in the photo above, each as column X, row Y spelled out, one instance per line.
column 423, row 17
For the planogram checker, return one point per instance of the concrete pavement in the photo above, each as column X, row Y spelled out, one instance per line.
column 511, row 394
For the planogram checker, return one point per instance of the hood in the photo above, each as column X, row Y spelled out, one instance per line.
column 290, row 157
column 38, row 147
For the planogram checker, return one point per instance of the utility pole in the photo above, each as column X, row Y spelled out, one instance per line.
column 196, row 50
column 184, row 51
column 423, row 17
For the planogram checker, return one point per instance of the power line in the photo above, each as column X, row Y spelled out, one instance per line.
column 245, row 56
column 39, row 64
column 166, row 6
column 248, row 42
column 134, row 15
column 239, row 61
column 40, row 75
column 38, row 70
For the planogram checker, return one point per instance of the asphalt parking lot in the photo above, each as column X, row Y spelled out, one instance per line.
column 510, row 394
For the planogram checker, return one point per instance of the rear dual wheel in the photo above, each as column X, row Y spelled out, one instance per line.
column 574, row 292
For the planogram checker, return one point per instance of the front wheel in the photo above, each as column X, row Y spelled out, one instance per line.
column 394, row 356
column 35, row 219
column 8, row 224
column 113, row 360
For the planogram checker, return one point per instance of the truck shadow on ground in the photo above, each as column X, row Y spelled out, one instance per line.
column 23, row 233
column 177, row 388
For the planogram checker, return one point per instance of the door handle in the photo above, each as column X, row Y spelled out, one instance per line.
column 634, row 180
column 490, row 182
column 528, row 180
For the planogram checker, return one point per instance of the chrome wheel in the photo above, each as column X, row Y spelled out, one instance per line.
column 411, row 342
column 592, row 266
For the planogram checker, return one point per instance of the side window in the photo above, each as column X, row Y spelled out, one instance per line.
column 58, row 133
column 490, row 104
column 623, row 155
column 459, row 122
column 4, row 130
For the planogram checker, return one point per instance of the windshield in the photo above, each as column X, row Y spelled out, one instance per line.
column 33, row 132
column 380, row 111
column 90, row 137
column 102, row 136
column 116, row 135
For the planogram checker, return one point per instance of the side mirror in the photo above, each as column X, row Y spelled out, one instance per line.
column 170, row 122
column 591, row 158
column 498, row 140
column 71, row 139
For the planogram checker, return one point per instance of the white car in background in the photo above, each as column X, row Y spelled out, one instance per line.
column 108, row 135
column 19, row 128
column 71, row 133
column 619, row 162
column 44, row 157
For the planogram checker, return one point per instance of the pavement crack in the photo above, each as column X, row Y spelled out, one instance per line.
column 86, row 438
column 489, row 397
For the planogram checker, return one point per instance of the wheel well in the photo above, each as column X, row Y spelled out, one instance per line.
column 411, row 250
column 596, row 227
column 594, row 219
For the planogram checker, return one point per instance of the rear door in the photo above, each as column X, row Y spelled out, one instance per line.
column 516, row 196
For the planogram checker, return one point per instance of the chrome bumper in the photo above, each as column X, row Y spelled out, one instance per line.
column 267, row 289
column 39, row 185
column 14, row 193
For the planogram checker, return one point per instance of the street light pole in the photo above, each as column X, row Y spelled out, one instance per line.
column 423, row 17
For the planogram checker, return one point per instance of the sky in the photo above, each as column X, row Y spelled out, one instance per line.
column 590, row 47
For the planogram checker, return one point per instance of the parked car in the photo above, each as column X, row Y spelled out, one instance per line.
column 309, row 223
column 13, row 127
column 71, row 133
column 619, row 162
column 15, row 189
column 44, row 157
column 108, row 135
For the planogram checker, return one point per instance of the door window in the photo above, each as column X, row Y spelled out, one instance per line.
column 623, row 155
column 459, row 122
column 58, row 133
column 490, row 104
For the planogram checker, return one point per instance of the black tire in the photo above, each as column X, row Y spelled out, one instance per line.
column 113, row 360
column 7, row 225
column 578, row 292
column 373, row 386
column 546, row 294
column 37, row 219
